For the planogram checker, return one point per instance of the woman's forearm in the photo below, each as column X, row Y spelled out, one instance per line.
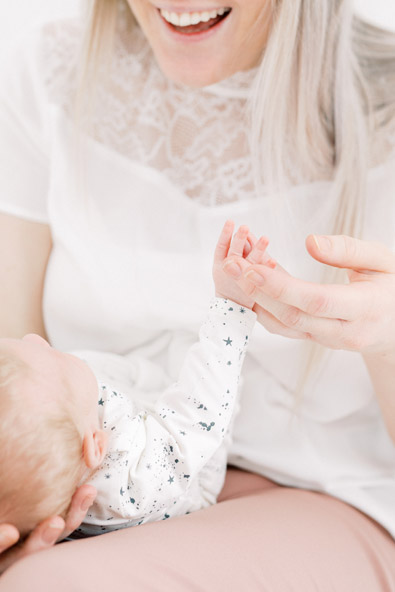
column 382, row 372
column 25, row 247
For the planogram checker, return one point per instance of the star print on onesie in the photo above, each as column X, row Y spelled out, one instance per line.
column 167, row 457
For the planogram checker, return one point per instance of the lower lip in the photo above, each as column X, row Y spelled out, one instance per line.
column 193, row 37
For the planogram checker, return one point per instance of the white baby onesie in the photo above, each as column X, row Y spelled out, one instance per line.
column 167, row 447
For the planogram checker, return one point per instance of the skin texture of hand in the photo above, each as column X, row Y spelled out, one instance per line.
column 359, row 316
column 48, row 532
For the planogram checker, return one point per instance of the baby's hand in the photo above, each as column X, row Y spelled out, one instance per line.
column 243, row 244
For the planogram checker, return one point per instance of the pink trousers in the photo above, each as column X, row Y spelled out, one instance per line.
column 259, row 537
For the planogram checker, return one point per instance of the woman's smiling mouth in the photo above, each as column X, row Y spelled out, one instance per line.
column 190, row 23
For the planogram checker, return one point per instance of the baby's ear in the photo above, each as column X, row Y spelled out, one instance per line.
column 94, row 448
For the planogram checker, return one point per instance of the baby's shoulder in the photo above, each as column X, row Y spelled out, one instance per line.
column 131, row 373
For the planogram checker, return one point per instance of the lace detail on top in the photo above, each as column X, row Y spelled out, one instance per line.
column 198, row 138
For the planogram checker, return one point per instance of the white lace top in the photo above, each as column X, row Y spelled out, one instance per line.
column 135, row 209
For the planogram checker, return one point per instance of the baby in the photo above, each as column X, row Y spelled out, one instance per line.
column 68, row 419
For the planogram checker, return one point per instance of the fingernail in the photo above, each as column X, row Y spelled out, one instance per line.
column 51, row 533
column 86, row 504
column 232, row 269
column 323, row 243
column 255, row 278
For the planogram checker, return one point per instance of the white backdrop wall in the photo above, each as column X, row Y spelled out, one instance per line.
column 16, row 15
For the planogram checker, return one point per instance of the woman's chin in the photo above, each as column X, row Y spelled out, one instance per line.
column 194, row 81
column 192, row 74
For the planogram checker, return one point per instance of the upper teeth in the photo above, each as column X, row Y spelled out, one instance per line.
column 184, row 19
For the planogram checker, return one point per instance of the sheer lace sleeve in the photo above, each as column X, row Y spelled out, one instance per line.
column 25, row 130
column 23, row 133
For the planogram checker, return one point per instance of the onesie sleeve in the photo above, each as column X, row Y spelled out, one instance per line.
column 197, row 409
column 190, row 419
column 177, row 437
column 24, row 131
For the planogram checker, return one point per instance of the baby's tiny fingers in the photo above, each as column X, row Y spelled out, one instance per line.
column 249, row 244
column 239, row 240
column 224, row 240
column 258, row 253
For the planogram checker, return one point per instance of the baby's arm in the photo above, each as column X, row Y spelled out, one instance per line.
column 196, row 411
column 191, row 418
column 175, row 439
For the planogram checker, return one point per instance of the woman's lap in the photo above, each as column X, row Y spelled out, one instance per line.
column 260, row 537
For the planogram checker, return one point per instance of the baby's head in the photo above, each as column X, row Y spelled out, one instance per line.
column 49, row 436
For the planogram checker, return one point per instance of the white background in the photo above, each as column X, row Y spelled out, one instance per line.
column 15, row 15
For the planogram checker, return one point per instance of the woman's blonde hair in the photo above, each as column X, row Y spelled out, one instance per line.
column 323, row 102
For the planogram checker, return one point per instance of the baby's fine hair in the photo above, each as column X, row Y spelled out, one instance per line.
column 40, row 452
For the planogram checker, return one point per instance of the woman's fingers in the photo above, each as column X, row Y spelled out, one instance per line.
column 297, row 309
column 333, row 301
column 358, row 316
column 351, row 253
column 43, row 537
column 82, row 500
column 273, row 325
column 9, row 535
column 290, row 321
column 48, row 532
column 258, row 253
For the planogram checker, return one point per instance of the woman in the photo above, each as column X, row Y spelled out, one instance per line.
column 278, row 115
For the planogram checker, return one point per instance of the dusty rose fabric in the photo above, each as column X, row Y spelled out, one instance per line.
column 259, row 537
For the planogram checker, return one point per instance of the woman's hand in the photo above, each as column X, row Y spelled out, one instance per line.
column 48, row 532
column 359, row 316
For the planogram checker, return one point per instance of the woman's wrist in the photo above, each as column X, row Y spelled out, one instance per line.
column 381, row 367
column 381, row 357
